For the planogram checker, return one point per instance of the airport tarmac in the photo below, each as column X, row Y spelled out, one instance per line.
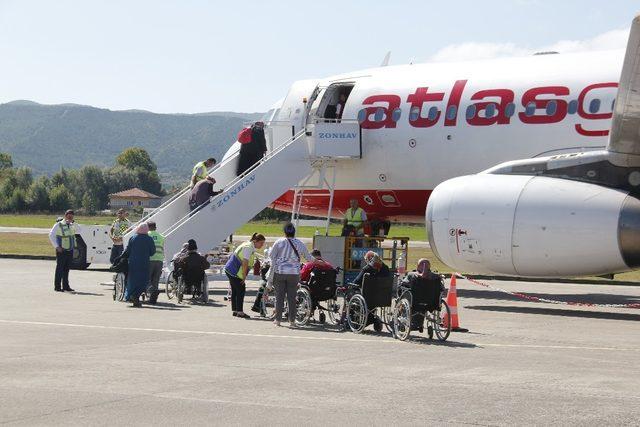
column 80, row 358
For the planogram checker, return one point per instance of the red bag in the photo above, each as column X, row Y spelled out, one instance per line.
column 244, row 137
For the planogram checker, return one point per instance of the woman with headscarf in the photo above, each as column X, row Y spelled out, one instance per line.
column 139, row 250
column 426, row 287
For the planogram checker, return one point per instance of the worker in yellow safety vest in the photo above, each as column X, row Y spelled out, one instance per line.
column 200, row 170
column 354, row 219
column 63, row 238
column 156, row 263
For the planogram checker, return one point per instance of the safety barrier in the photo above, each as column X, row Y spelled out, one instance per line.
column 545, row 300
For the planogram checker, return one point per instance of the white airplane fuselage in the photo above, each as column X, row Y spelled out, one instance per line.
column 423, row 124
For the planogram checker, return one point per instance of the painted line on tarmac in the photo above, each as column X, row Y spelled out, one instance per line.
column 308, row 338
column 182, row 331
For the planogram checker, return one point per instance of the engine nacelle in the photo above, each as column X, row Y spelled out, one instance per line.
column 533, row 226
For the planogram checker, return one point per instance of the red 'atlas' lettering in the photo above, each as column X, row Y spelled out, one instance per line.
column 417, row 100
column 392, row 101
column 532, row 96
column 501, row 118
column 454, row 101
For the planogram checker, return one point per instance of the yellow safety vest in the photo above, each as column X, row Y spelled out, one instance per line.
column 200, row 171
column 354, row 218
column 234, row 265
column 158, row 239
column 67, row 234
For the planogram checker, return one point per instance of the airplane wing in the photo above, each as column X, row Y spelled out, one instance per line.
column 624, row 138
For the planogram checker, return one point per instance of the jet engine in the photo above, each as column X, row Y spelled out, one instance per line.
column 533, row 226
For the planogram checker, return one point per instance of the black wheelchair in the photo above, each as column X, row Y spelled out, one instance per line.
column 370, row 304
column 416, row 306
column 322, row 287
column 178, row 285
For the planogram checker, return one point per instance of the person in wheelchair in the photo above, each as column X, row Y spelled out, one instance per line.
column 318, row 264
column 192, row 268
column 426, row 288
column 264, row 274
column 374, row 266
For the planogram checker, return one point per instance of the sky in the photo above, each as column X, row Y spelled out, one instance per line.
column 192, row 56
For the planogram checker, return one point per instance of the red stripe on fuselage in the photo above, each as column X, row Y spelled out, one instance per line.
column 398, row 205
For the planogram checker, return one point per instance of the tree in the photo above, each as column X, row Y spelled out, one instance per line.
column 134, row 158
column 6, row 162
column 24, row 177
column 60, row 198
column 17, row 203
column 145, row 171
column 89, row 204
column 37, row 197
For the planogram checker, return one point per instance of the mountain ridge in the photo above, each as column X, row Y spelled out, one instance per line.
column 48, row 137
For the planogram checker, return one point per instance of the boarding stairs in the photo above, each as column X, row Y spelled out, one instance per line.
column 242, row 197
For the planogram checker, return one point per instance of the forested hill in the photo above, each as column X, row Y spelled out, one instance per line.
column 46, row 137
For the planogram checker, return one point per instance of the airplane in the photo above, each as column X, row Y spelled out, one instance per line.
column 422, row 124
column 565, row 214
column 399, row 138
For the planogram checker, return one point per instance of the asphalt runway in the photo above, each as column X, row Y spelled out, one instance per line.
column 79, row 359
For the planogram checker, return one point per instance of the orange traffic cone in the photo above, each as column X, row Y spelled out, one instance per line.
column 452, row 302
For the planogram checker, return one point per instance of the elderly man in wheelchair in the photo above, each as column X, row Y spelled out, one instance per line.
column 420, row 298
column 369, row 297
column 189, row 275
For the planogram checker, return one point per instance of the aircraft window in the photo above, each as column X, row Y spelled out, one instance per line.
column 471, row 111
column 362, row 115
column 433, row 113
column 552, row 107
column 379, row 115
column 613, row 104
column 490, row 111
column 530, row 110
column 594, row 106
column 452, row 111
column 510, row 109
column 414, row 114
column 395, row 116
column 573, row 107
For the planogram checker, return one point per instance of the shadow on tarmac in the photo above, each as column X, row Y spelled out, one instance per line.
column 89, row 294
column 557, row 312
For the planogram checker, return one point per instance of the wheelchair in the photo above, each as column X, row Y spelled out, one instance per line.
column 419, row 306
column 370, row 304
column 321, row 288
column 120, row 285
column 177, row 287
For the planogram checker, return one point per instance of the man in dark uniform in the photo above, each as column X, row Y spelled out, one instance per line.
column 63, row 239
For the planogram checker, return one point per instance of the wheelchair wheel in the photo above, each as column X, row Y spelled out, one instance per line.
column 171, row 286
column 303, row 306
column 357, row 313
column 180, row 289
column 386, row 315
column 118, row 287
column 442, row 321
column 335, row 308
column 402, row 319
column 268, row 303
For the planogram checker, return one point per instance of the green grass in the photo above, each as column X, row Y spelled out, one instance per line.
column 46, row 221
column 25, row 244
column 413, row 232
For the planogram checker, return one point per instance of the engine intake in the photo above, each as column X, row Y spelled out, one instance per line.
column 533, row 226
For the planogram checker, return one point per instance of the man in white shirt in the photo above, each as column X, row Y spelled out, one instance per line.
column 284, row 274
column 63, row 238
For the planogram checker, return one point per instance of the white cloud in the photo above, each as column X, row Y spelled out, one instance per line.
column 615, row 39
